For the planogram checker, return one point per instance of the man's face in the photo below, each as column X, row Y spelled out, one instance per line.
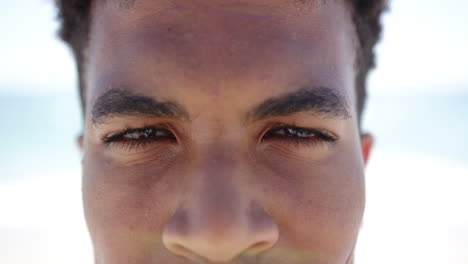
column 222, row 132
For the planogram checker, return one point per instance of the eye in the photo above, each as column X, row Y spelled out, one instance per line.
column 139, row 136
column 298, row 135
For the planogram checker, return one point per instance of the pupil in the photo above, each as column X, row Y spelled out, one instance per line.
column 148, row 132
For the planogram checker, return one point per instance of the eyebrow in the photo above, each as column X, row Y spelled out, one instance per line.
column 119, row 102
column 321, row 101
column 126, row 4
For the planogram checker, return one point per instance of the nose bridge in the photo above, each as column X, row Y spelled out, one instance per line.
column 218, row 164
column 216, row 194
column 217, row 220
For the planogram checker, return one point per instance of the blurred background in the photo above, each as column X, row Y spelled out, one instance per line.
column 417, row 178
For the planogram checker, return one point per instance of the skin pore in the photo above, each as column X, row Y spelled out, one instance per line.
column 222, row 132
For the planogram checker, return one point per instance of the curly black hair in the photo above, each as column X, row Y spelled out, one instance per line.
column 75, row 16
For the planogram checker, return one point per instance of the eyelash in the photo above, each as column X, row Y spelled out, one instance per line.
column 125, row 139
column 289, row 134
column 292, row 135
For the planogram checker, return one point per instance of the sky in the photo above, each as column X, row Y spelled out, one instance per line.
column 423, row 48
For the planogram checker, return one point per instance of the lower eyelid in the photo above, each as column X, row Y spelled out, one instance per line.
column 151, row 153
column 293, row 151
column 139, row 145
column 299, row 143
column 294, row 139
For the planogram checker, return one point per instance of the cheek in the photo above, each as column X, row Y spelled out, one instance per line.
column 125, row 206
column 318, row 204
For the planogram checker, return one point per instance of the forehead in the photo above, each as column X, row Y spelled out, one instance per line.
column 252, row 7
column 221, row 45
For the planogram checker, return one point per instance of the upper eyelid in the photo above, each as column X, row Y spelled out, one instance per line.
column 119, row 134
column 313, row 130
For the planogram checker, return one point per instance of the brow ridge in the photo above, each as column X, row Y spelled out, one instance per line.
column 321, row 101
column 126, row 4
column 120, row 102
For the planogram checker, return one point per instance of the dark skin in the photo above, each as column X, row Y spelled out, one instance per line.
column 222, row 132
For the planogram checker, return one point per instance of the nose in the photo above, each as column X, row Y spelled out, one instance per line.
column 219, row 225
